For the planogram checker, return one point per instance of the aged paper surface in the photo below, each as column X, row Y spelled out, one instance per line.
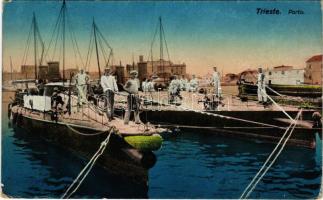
column 161, row 99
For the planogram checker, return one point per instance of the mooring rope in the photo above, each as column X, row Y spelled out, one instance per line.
column 213, row 127
column 256, row 178
column 81, row 176
column 274, row 91
column 277, row 105
column 219, row 115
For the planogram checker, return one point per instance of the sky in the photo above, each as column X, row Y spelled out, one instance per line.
column 227, row 34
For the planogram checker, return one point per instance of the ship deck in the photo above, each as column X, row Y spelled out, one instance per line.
column 193, row 101
column 86, row 117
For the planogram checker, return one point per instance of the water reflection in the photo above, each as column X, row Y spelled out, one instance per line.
column 209, row 166
column 35, row 168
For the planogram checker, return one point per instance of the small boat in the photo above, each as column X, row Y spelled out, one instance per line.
column 82, row 129
column 235, row 118
column 305, row 91
column 12, row 86
column 56, row 115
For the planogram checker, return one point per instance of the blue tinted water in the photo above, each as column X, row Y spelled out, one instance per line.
column 190, row 165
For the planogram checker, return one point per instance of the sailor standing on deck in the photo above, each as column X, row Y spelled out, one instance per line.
column 174, row 89
column 183, row 81
column 132, row 86
column 145, row 85
column 216, row 82
column 193, row 85
column 262, row 95
column 151, row 85
column 81, row 84
column 109, row 85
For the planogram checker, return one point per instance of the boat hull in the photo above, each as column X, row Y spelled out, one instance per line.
column 199, row 122
column 119, row 157
column 290, row 90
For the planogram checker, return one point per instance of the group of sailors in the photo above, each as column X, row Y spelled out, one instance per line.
column 110, row 88
column 177, row 85
column 183, row 84
column 148, row 85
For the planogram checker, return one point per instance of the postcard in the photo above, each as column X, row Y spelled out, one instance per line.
column 161, row 99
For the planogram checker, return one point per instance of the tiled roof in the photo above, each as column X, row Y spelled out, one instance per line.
column 316, row 58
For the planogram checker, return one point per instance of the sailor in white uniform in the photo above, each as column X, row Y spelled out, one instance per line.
column 262, row 95
column 184, row 83
column 174, row 89
column 151, row 86
column 145, row 86
column 110, row 87
column 132, row 86
column 193, row 85
column 81, row 79
column 216, row 82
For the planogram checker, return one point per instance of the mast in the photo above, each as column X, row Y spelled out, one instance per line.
column 96, row 48
column 161, row 44
column 35, row 44
column 10, row 68
column 133, row 62
column 152, row 61
column 64, row 8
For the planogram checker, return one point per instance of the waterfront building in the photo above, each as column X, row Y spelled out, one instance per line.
column 53, row 71
column 162, row 68
column 71, row 71
column 28, row 71
column 313, row 70
column 284, row 75
column 129, row 68
column 42, row 72
column 119, row 73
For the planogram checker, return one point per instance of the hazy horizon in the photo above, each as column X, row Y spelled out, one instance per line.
column 229, row 35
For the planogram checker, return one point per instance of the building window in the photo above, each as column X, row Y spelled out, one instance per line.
column 310, row 77
column 309, row 66
column 283, row 72
column 269, row 73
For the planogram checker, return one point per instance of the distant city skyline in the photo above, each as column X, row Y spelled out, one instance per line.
column 229, row 35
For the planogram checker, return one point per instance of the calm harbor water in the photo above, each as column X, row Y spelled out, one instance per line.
column 189, row 165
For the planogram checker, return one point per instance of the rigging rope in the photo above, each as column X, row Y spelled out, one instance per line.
column 56, row 39
column 106, row 42
column 53, row 34
column 73, row 37
column 103, row 52
column 256, row 179
column 165, row 42
column 24, row 58
column 42, row 46
column 89, row 53
column 150, row 54
column 86, row 170
column 101, row 40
